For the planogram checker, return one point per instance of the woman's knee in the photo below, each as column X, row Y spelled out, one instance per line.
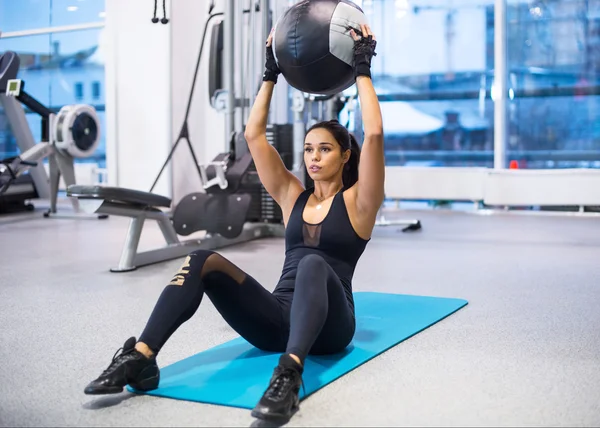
column 312, row 262
column 205, row 262
column 192, row 266
column 312, row 274
column 200, row 255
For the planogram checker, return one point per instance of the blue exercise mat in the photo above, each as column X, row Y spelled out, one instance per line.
column 237, row 374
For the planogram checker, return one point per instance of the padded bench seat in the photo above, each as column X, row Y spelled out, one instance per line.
column 119, row 195
column 220, row 212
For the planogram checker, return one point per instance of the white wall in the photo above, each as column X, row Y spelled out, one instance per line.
column 206, row 125
column 138, row 89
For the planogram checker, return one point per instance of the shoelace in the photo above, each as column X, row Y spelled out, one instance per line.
column 281, row 383
column 118, row 359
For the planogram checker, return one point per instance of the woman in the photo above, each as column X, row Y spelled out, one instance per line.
column 311, row 310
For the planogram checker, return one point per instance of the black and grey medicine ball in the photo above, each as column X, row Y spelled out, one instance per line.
column 313, row 46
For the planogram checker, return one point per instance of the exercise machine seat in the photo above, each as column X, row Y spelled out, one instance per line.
column 118, row 195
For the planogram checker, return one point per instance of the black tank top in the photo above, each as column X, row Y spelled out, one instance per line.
column 334, row 239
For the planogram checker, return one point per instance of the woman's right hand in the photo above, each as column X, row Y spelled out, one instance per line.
column 272, row 71
column 364, row 50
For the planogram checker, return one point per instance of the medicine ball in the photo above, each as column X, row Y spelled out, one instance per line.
column 313, row 46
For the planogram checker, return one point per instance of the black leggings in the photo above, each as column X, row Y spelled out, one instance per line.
column 314, row 317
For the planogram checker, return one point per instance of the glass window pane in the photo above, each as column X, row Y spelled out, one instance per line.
column 80, row 60
column 60, row 69
column 20, row 15
column 34, row 52
column 554, row 63
column 433, row 75
column 70, row 12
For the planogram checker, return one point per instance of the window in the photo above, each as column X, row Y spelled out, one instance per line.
column 432, row 71
column 434, row 74
column 21, row 15
column 69, row 12
column 554, row 63
column 58, row 68
column 24, row 15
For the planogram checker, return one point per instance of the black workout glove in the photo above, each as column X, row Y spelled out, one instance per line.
column 364, row 51
column 272, row 71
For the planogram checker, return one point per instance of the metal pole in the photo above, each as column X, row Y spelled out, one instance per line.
column 242, row 87
column 252, row 72
column 500, row 85
column 228, row 62
column 280, row 103
column 265, row 11
column 358, row 125
column 299, row 129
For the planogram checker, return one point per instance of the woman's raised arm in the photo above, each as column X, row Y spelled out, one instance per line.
column 371, row 169
column 280, row 183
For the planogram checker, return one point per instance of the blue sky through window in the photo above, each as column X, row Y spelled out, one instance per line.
column 19, row 15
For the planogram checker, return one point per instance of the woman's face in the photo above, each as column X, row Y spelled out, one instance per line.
column 323, row 155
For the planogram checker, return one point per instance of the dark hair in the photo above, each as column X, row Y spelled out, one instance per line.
column 347, row 141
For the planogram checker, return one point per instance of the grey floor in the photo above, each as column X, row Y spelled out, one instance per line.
column 524, row 352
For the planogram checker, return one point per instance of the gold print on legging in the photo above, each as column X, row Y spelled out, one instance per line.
column 181, row 273
column 312, row 234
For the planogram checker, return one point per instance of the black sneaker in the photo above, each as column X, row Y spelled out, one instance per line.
column 129, row 367
column 280, row 401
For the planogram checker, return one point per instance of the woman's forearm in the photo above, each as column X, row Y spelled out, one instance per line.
column 259, row 114
column 369, row 106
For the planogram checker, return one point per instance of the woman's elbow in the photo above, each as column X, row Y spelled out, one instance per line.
column 252, row 134
column 374, row 134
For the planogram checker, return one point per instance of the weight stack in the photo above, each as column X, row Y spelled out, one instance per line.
column 263, row 208
column 282, row 138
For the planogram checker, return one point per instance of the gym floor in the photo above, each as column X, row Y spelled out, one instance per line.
column 524, row 352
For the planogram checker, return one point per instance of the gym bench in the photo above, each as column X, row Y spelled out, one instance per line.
column 221, row 212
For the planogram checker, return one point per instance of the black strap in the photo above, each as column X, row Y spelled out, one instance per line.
column 164, row 19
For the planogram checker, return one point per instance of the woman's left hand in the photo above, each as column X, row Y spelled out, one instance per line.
column 364, row 50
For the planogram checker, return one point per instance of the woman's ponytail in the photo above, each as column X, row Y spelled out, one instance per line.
column 350, row 175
